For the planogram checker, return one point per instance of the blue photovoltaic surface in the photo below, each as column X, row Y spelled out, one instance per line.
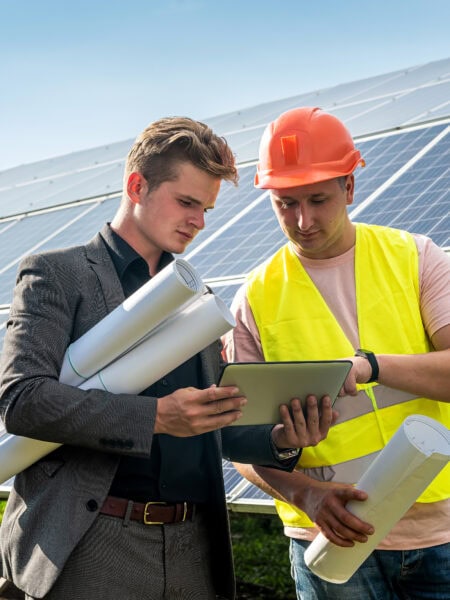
column 226, row 292
column 254, row 237
column 419, row 200
column 230, row 202
column 3, row 319
column 82, row 230
column 45, row 231
column 384, row 156
column 24, row 237
column 233, row 478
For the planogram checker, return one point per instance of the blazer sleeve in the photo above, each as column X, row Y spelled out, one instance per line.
column 252, row 445
column 52, row 299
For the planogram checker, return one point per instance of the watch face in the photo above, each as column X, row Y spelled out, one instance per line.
column 284, row 454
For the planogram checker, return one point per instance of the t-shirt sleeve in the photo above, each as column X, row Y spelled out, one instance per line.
column 242, row 344
column 434, row 273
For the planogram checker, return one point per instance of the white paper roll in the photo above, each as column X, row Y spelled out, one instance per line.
column 414, row 456
column 166, row 292
column 183, row 335
column 17, row 453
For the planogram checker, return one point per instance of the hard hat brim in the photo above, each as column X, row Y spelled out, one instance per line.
column 295, row 177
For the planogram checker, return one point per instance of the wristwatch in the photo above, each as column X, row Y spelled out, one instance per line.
column 370, row 356
column 284, row 453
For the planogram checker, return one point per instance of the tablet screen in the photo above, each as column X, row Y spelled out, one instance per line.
column 269, row 384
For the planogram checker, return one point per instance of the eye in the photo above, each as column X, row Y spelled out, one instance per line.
column 184, row 202
column 285, row 204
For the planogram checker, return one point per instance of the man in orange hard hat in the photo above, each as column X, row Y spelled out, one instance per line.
column 337, row 287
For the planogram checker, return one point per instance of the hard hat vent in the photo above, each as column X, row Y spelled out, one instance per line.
column 289, row 149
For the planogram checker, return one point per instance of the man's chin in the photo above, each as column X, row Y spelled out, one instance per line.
column 176, row 248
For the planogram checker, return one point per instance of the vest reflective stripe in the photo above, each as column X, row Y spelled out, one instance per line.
column 387, row 291
column 351, row 407
column 345, row 472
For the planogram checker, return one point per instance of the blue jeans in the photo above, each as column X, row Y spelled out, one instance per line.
column 385, row 575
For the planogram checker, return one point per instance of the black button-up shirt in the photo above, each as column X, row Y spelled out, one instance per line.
column 174, row 470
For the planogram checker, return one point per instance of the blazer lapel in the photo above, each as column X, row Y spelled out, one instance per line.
column 98, row 256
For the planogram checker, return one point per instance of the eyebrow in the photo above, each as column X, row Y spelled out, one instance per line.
column 311, row 197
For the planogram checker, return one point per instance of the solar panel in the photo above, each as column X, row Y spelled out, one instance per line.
column 232, row 201
column 385, row 155
column 3, row 319
column 241, row 494
column 62, row 189
column 38, row 232
column 85, row 227
column 419, row 200
column 225, row 292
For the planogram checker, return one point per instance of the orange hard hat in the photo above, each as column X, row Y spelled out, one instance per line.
column 305, row 145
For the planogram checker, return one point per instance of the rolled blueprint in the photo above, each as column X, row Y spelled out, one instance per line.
column 169, row 290
column 405, row 467
column 183, row 335
column 17, row 453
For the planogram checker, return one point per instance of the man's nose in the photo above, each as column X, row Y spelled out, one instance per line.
column 197, row 219
column 303, row 217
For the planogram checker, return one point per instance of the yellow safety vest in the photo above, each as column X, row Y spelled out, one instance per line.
column 295, row 323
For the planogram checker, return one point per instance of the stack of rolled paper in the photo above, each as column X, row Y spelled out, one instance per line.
column 170, row 317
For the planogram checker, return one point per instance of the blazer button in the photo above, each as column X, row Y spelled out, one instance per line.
column 92, row 505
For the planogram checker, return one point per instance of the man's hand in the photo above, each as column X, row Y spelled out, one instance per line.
column 190, row 411
column 298, row 431
column 359, row 373
column 324, row 503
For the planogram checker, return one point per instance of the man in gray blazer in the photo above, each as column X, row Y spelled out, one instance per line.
column 132, row 505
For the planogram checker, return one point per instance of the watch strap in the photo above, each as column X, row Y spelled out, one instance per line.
column 370, row 356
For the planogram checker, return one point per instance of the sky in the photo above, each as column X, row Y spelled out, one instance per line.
column 77, row 74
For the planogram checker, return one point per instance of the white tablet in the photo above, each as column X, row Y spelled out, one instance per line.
column 269, row 384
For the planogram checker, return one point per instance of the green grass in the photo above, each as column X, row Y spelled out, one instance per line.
column 261, row 556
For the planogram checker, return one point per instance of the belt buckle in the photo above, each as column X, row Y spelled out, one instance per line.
column 146, row 514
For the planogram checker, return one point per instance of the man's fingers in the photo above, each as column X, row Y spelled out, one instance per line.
column 326, row 415
column 214, row 393
column 225, row 405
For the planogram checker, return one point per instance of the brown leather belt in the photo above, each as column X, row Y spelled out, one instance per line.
column 149, row 513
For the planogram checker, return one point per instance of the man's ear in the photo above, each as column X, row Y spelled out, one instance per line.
column 350, row 188
column 136, row 186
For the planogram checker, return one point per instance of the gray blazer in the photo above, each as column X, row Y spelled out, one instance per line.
column 59, row 296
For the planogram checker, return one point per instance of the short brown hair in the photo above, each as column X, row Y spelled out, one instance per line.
column 166, row 143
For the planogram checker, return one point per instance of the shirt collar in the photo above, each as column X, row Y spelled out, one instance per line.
column 122, row 254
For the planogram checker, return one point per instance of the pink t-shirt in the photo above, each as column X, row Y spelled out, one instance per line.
column 423, row 525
